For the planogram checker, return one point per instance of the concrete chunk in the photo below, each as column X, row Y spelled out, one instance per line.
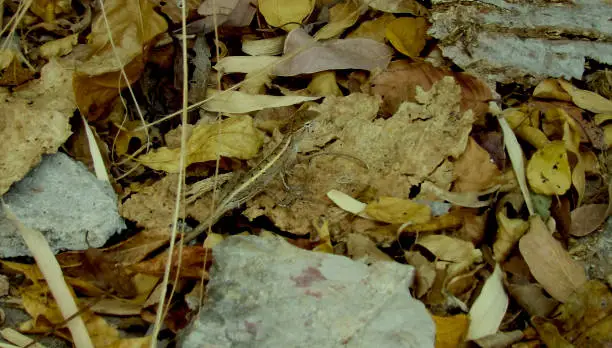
column 64, row 201
column 264, row 292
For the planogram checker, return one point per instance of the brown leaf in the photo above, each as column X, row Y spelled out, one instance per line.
column 192, row 263
column 425, row 272
column 549, row 262
column 399, row 81
column 474, row 169
column 588, row 218
column 109, row 274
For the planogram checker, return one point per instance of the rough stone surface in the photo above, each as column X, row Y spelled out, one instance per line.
column 523, row 41
column 64, row 201
column 265, row 292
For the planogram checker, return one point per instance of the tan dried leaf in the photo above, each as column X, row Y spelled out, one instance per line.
column 398, row 211
column 587, row 218
column 549, row 262
column 586, row 99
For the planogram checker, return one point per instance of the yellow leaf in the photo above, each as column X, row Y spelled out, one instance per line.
column 287, row 14
column 450, row 331
column 341, row 16
column 408, row 35
column 601, row 118
column 324, row 84
column 586, row 99
column 398, row 210
column 374, row 29
column 446, row 221
column 548, row 170
column 324, row 238
column 235, row 137
column 550, row 89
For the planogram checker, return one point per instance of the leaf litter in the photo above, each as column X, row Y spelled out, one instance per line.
column 343, row 128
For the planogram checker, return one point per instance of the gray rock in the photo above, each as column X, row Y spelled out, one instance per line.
column 64, row 201
column 264, row 292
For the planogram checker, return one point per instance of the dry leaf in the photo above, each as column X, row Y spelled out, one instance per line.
column 408, row 35
column 374, row 29
column 34, row 122
column 587, row 218
column 246, row 64
column 234, row 102
column 591, row 303
column 264, row 47
column 586, row 99
column 398, row 6
column 398, row 83
column 450, row 249
column 286, row 14
column 437, row 223
column 324, row 84
column 509, row 232
column 234, row 137
column 475, row 171
column 98, row 80
column 425, row 272
column 341, row 16
column 550, row 89
column 305, row 55
column 489, row 308
column 549, row 262
column 450, row 331
column 548, row 170
column 398, row 211
column 517, row 158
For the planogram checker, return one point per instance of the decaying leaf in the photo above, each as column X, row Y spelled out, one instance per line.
column 305, row 55
column 407, row 35
column 451, row 331
column 374, row 29
column 35, row 121
column 234, row 137
column 345, row 141
column 475, row 171
column 398, row 211
column 549, row 333
column 399, row 82
column 549, row 262
column 548, row 170
column 489, row 308
column 286, row 14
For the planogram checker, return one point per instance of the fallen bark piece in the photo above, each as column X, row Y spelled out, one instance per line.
column 509, row 41
column 299, row 298
column 64, row 201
